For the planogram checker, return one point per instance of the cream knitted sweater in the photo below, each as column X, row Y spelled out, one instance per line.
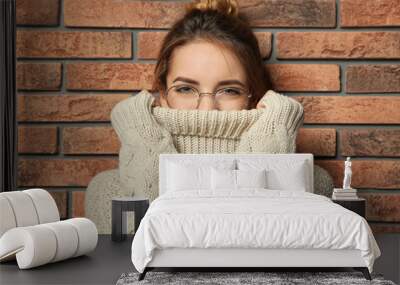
column 146, row 131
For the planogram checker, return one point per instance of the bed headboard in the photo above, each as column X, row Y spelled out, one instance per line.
column 164, row 158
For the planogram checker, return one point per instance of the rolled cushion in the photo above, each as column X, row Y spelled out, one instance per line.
column 87, row 233
column 40, row 244
column 26, row 208
column 23, row 208
column 33, row 246
column 45, row 205
column 7, row 220
column 67, row 239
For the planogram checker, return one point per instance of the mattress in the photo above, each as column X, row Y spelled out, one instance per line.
column 252, row 219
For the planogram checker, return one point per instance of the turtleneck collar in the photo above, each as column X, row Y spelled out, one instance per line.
column 207, row 123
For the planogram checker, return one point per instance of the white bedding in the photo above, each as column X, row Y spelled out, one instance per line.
column 250, row 218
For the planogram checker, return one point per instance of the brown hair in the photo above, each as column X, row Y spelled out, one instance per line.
column 219, row 22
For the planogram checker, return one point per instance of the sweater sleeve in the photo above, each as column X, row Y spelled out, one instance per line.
column 134, row 123
column 142, row 140
column 276, row 129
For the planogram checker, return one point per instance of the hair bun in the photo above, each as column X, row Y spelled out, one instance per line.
column 228, row 7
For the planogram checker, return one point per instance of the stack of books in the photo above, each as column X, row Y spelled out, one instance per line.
column 344, row 194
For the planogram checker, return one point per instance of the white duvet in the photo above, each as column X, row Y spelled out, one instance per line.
column 251, row 218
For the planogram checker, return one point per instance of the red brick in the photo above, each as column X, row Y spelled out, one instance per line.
column 109, row 76
column 90, row 140
column 370, row 142
column 264, row 40
column 149, row 44
column 319, row 142
column 304, row 77
column 369, row 13
column 61, row 44
column 380, row 174
column 344, row 45
column 60, row 197
column 350, row 109
column 39, row 76
column 37, row 139
column 78, row 204
column 122, row 13
column 37, row 12
column 370, row 78
column 70, row 108
column 289, row 13
column 382, row 207
column 61, row 172
column 162, row 14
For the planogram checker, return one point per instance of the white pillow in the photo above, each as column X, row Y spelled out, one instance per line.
column 251, row 178
column 189, row 175
column 281, row 175
column 237, row 179
column 293, row 178
column 223, row 179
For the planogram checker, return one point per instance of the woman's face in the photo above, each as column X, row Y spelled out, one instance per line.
column 207, row 67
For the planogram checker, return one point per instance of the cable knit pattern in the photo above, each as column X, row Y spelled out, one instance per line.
column 276, row 130
column 201, row 131
column 146, row 131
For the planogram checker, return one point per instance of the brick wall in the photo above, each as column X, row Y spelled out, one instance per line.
column 78, row 58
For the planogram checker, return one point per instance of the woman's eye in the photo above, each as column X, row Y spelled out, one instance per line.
column 184, row 89
column 232, row 91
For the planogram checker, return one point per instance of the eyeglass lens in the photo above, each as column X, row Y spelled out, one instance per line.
column 189, row 98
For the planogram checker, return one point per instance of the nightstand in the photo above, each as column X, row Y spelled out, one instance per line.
column 356, row 205
column 120, row 206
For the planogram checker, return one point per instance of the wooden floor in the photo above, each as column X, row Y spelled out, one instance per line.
column 110, row 260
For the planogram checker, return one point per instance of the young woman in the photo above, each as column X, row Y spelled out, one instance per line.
column 214, row 97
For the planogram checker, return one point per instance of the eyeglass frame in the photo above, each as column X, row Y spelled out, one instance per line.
column 249, row 95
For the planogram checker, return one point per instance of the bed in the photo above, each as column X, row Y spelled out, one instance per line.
column 247, row 210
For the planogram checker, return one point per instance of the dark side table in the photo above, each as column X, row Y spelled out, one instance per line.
column 356, row 205
column 120, row 206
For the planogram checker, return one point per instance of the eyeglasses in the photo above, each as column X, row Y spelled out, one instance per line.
column 188, row 97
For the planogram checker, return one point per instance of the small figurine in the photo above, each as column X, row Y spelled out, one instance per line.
column 347, row 174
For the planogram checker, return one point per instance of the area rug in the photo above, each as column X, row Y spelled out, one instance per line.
column 269, row 278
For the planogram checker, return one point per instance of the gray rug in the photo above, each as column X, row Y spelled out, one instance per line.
column 230, row 278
